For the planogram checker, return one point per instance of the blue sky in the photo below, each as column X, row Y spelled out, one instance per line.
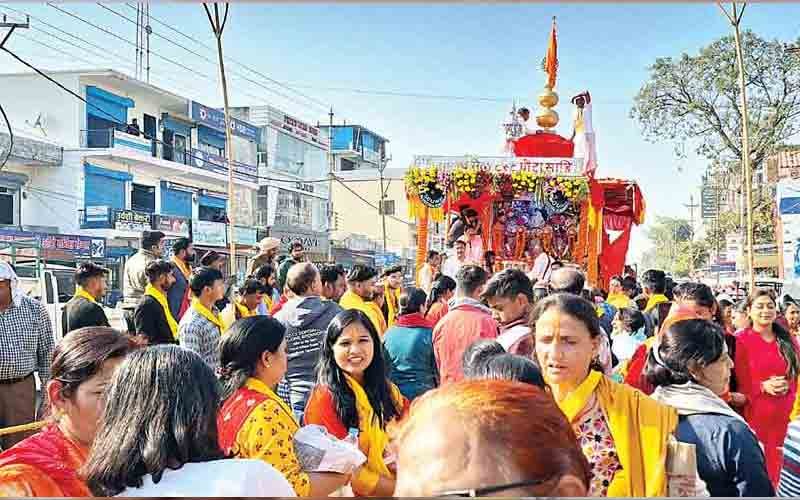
column 489, row 51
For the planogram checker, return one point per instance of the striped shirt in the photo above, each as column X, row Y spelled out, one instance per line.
column 198, row 334
column 26, row 340
column 789, row 485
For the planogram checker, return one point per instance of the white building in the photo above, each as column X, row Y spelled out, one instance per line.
column 111, row 185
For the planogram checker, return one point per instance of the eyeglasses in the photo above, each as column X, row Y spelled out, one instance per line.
column 488, row 490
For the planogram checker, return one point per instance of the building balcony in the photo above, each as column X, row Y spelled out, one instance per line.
column 116, row 144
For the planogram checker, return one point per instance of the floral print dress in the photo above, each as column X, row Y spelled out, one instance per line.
column 594, row 437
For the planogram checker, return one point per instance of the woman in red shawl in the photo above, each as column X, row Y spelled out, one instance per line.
column 767, row 364
column 46, row 464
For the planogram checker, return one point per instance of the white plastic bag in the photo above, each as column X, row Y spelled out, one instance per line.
column 319, row 451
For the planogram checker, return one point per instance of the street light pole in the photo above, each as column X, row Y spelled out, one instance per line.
column 381, row 166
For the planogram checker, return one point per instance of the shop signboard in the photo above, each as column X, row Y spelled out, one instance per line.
column 131, row 220
column 245, row 235
column 316, row 243
column 215, row 119
column 79, row 246
column 171, row 224
column 208, row 233
column 296, row 128
column 216, row 163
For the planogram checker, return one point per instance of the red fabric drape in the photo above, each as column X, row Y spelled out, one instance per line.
column 612, row 258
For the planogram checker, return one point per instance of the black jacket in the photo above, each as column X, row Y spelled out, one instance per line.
column 150, row 320
column 79, row 313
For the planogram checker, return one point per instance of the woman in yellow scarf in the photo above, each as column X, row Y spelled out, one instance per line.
column 623, row 433
column 354, row 393
column 251, row 295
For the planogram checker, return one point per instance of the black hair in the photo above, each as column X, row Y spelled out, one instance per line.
column 431, row 254
column 470, row 278
column 573, row 306
column 508, row 284
column 632, row 318
column 300, row 278
column 263, row 273
column 567, row 280
column 725, row 303
column 81, row 354
column 391, row 270
column 156, row 269
column 507, row 366
column 655, row 280
column 470, row 212
column 296, row 244
column 411, row 300
column 376, row 383
column 203, row 277
column 87, row 271
column 693, row 343
column 441, row 285
column 329, row 273
column 251, row 286
column 210, row 257
column 360, row 273
column 669, row 287
column 180, row 245
column 628, row 284
column 149, row 239
column 476, row 355
column 539, row 293
column 782, row 336
column 241, row 349
column 787, row 302
column 699, row 293
column 161, row 412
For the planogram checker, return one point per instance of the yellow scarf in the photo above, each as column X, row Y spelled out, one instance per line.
column 204, row 312
column 640, row 428
column 267, row 302
column 370, row 431
column 162, row 300
column 352, row 301
column 80, row 292
column 392, row 298
column 655, row 300
column 185, row 269
column 619, row 300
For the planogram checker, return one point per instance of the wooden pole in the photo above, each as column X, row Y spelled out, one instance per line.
column 218, row 26
column 736, row 19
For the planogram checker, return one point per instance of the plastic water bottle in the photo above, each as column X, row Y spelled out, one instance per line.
column 352, row 436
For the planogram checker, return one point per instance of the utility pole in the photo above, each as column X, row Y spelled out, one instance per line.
column 735, row 19
column 12, row 26
column 218, row 26
column 691, row 206
column 331, row 168
column 382, row 165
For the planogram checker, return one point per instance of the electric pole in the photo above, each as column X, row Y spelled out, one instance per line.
column 691, row 206
column 735, row 19
column 218, row 26
column 331, row 168
column 12, row 26
column 382, row 165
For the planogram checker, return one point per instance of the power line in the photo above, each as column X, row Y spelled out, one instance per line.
column 245, row 66
column 340, row 181
column 396, row 93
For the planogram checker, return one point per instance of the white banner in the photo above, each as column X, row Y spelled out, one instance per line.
column 568, row 167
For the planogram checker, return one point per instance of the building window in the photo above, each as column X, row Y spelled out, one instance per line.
column 347, row 165
column 388, row 207
column 6, row 207
column 143, row 198
column 208, row 148
column 211, row 214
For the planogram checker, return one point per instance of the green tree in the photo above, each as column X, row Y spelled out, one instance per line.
column 673, row 248
column 729, row 223
column 696, row 98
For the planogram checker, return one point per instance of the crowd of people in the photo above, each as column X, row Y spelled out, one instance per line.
column 478, row 381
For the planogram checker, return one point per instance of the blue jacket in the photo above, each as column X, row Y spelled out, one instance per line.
column 408, row 347
column 729, row 458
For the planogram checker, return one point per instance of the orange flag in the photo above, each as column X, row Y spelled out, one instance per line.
column 551, row 58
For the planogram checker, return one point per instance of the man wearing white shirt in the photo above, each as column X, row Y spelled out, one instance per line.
column 454, row 263
column 542, row 264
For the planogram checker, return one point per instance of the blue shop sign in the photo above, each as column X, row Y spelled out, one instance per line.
column 214, row 118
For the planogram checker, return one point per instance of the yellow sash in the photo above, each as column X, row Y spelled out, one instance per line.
column 162, row 300
column 370, row 429
column 392, row 298
column 80, row 292
column 655, row 300
column 640, row 428
column 619, row 300
column 267, row 302
column 186, row 270
column 204, row 312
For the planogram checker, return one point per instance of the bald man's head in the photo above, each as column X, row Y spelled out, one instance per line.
column 567, row 280
column 304, row 280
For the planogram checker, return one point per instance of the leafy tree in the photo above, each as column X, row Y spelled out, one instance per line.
column 696, row 98
column 673, row 249
column 729, row 223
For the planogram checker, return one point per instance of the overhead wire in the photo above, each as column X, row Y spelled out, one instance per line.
column 366, row 201
column 10, row 138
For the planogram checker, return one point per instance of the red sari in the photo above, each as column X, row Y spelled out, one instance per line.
column 756, row 360
column 43, row 465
